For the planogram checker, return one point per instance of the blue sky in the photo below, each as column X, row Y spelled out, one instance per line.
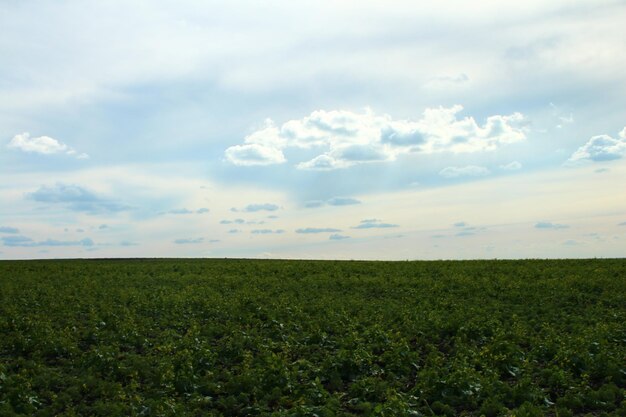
column 350, row 130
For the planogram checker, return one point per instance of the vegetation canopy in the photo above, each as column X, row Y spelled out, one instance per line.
column 305, row 338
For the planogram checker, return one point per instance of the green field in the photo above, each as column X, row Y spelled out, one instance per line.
column 304, row 338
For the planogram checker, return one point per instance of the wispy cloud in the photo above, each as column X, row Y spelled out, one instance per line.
column 253, row 208
column 17, row 241
column 76, row 198
column 464, row 229
column 335, row 201
column 186, row 241
column 373, row 224
column 338, row 237
column 446, row 80
column 550, row 225
column 466, row 171
column 185, row 210
column 317, row 230
column 180, row 211
column 235, row 221
column 8, row 229
column 266, row 231
column 314, row 203
column 23, row 241
column 342, row 201
column 512, row 166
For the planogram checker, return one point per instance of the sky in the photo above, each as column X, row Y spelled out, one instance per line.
column 313, row 129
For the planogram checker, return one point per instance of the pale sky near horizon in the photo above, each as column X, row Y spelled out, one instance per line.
column 331, row 130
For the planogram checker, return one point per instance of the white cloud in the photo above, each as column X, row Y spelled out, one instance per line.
column 254, row 154
column 600, row 148
column 466, row 171
column 512, row 166
column 43, row 145
column 345, row 138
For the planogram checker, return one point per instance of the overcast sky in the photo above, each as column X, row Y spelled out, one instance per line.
column 313, row 129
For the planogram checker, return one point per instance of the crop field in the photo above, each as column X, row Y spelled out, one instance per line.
column 306, row 338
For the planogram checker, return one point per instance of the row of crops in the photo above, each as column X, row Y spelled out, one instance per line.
column 305, row 338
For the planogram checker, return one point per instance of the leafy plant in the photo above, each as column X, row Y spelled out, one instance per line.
column 302, row 338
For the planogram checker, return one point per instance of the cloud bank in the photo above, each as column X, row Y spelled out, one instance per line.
column 344, row 138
